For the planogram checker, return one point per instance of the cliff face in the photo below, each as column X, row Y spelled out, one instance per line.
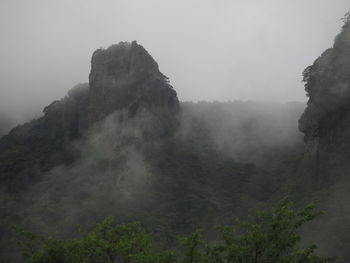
column 323, row 173
column 125, row 76
column 326, row 120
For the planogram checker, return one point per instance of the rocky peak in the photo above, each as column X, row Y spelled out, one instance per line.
column 126, row 77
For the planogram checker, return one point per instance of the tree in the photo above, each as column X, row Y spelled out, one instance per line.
column 272, row 238
column 106, row 243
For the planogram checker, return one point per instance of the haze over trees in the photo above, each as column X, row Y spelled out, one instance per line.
column 123, row 145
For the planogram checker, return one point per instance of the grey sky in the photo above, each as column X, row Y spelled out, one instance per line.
column 210, row 49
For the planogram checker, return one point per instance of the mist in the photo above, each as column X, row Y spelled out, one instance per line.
column 118, row 170
column 201, row 120
column 210, row 50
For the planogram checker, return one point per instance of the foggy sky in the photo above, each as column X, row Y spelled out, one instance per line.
column 210, row 49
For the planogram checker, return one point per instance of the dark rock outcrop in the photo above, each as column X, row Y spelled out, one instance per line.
column 125, row 76
column 326, row 120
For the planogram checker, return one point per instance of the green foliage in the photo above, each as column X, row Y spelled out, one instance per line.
column 106, row 243
column 271, row 238
column 192, row 248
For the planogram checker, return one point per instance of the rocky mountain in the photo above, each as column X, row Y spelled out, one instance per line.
column 102, row 129
column 123, row 145
column 124, row 78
